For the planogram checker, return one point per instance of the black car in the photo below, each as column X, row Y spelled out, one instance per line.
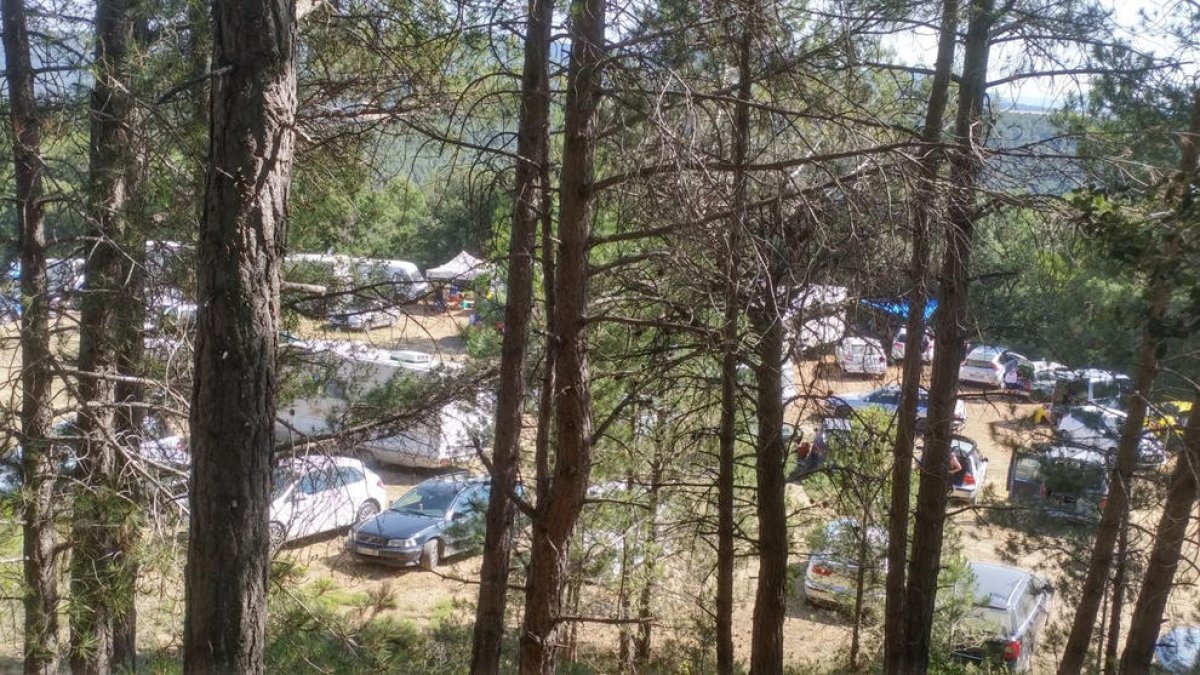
column 437, row 518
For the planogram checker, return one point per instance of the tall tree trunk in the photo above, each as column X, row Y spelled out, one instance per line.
column 558, row 508
column 770, row 600
column 37, row 464
column 726, row 466
column 925, row 211
column 252, row 119
column 641, row 643
column 102, row 579
column 1118, row 598
column 1165, row 554
column 533, row 148
column 965, row 165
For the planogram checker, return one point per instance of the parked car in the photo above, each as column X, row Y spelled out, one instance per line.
column 831, row 577
column 363, row 316
column 864, row 356
column 1099, row 428
column 831, row 437
column 967, row 483
column 315, row 494
column 435, row 519
column 1178, row 651
column 900, row 340
column 987, row 364
column 1010, row 613
column 1089, row 386
column 1064, row 480
column 888, row 399
column 1035, row 378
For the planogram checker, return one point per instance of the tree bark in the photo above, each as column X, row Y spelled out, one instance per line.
column 965, row 165
column 102, row 576
column 533, row 149
column 37, row 464
column 726, row 466
column 1161, row 287
column 558, row 508
column 233, row 399
column 925, row 210
column 1165, row 554
column 1182, row 494
column 1118, row 598
column 770, row 600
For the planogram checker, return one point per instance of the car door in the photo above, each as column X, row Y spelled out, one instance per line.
column 347, row 494
column 979, row 465
column 1025, row 482
column 313, row 502
column 467, row 517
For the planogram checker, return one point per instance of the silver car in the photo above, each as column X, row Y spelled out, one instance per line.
column 831, row 577
column 1010, row 613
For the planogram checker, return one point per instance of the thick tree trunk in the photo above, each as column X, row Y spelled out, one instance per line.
column 558, row 508
column 102, row 576
column 533, row 148
column 233, row 399
column 925, row 211
column 726, row 466
column 1160, row 291
column 770, row 600
column 965, row 165
column 38, row 466
column 1165, row 554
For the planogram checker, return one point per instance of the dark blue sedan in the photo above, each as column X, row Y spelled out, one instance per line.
column 437, row 518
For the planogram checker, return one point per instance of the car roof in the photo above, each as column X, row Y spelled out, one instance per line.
column 1099, row 410
column 1076, row 453
column 319, row 461
column 986, row 351
column 837, row 424
column 997, row 583
column 462, row 478
column 856, row 340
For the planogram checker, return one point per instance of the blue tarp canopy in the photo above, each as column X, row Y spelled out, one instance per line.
column 900, row 307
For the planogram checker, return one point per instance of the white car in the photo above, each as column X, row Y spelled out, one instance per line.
column 856, row 355
column 986, row 365
column 967, row 483
column 316, row 494
column 1099, row 428
column 902, row 337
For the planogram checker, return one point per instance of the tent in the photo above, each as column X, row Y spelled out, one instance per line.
column 900, row 307
column 462, row 267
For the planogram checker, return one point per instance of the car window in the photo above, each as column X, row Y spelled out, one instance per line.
column 317, row 480
column 1027, row 469
column 431, row 500
column 348, row 475
column 472, row 501
column 1026, row 605
column 1106, row 390
column 1089, row 418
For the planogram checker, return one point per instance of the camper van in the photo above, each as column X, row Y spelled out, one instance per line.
column 338, row 380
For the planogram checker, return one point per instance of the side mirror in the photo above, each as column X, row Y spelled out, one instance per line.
column 458, row 515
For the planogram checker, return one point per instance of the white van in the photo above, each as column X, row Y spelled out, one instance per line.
column 452, row 435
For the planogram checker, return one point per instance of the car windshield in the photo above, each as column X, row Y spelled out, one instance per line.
column 426, row 500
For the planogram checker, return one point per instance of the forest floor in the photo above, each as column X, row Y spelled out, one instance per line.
column 819, row 637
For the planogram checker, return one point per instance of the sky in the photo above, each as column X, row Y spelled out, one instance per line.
column 1052, row 92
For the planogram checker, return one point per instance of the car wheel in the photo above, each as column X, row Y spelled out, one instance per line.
column 430, row 554
column 278, row 535
column 366, row 511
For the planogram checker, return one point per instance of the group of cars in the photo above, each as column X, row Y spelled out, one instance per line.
column 438, row 517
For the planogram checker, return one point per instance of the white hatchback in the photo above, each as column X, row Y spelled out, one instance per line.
column 986, row 365
column 856, row 355
column 316, row 494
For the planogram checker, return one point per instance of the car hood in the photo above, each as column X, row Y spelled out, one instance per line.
column 397, row 525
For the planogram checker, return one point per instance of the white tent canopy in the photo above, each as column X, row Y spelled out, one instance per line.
column 462, row 267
